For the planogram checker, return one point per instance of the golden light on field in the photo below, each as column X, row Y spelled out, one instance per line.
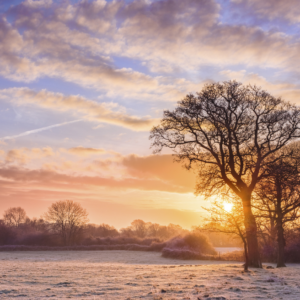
column 228, row 206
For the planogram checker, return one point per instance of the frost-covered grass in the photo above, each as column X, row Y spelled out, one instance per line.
column 137, row 275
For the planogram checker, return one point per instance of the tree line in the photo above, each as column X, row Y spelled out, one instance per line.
column 66, row 223
column 242, row 142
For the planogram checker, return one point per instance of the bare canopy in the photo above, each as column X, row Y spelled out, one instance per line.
column 14, row 216
column 67, row 218
column 227, row 131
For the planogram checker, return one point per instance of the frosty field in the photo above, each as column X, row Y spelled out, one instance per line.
column 137, row 275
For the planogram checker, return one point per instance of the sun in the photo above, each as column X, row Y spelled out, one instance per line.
column 228, row 206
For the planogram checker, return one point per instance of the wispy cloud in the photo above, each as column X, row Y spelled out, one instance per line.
column 89, row 110
column 37, row 130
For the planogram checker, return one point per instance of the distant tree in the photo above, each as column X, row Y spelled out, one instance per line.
column 127, row 232
column 38, row 224
column 227, row 132
column 174, row 230
column 14, row 216
column 104, row 230
column 153, row 229
column 139, row 227
column 68, row 219
column 278, row 195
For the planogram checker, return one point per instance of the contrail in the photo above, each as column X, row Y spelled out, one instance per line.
column 37, row 130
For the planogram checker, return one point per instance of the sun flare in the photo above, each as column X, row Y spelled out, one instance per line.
column 228, row 206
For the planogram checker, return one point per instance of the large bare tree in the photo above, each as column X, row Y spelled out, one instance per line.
column 227, row 131
column 67, row 218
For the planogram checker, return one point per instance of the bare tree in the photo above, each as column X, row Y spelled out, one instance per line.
column 227, row 132
column 139, row 227
column 14, row 216
column 67, row 218
column 279, row 195
column 153, row 229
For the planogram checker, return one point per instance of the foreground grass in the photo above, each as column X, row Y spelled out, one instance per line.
column 137, row 275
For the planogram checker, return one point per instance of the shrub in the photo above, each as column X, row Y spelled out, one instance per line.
column 40, row 239
column 185, row 254
column 119, row 241
column 194, row 241
column 7, row 234
column 194, row 245
column 268, row 253
column 292, row 252
column 233, row 256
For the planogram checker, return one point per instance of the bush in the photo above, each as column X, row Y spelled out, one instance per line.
column 194, row 245
column 182, row 254
column 128, row 247
column 119, row 241
column 233, row 256
column 40, row 239
column 194, row 241
column 292, row 252
column 268, row 253
column 7, row 234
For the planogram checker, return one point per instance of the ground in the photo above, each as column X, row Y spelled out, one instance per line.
column 137, row 275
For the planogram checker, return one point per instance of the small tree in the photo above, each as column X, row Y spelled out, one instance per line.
column 14, row 216
column 227, row 132
column 68, row 219
column 230, row 221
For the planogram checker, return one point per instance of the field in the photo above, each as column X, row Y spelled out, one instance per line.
column 137, row 275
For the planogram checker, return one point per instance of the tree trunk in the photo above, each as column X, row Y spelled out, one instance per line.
column 246, row 256
column 281, row 243
column 251, row 234
column 279, row 224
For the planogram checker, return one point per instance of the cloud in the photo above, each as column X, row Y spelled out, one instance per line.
column 82, row 151
column 87, row 109
column 16, row 155
column 273, row 9
column 25, row 155
column 288, row 91
column 132, row 172
column 160, row 167
column 51, row 179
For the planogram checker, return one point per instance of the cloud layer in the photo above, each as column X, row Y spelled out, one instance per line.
column 79, row 42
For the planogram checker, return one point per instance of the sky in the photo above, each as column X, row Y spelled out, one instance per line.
column 83, row 82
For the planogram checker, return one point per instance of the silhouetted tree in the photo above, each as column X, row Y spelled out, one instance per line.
column 67, row 218
column 279, row 194
column 227, row 131
column 14, row 216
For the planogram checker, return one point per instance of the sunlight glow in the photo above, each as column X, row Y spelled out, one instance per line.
column 228, row 206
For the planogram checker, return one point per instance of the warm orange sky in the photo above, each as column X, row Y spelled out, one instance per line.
column 83, row 82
